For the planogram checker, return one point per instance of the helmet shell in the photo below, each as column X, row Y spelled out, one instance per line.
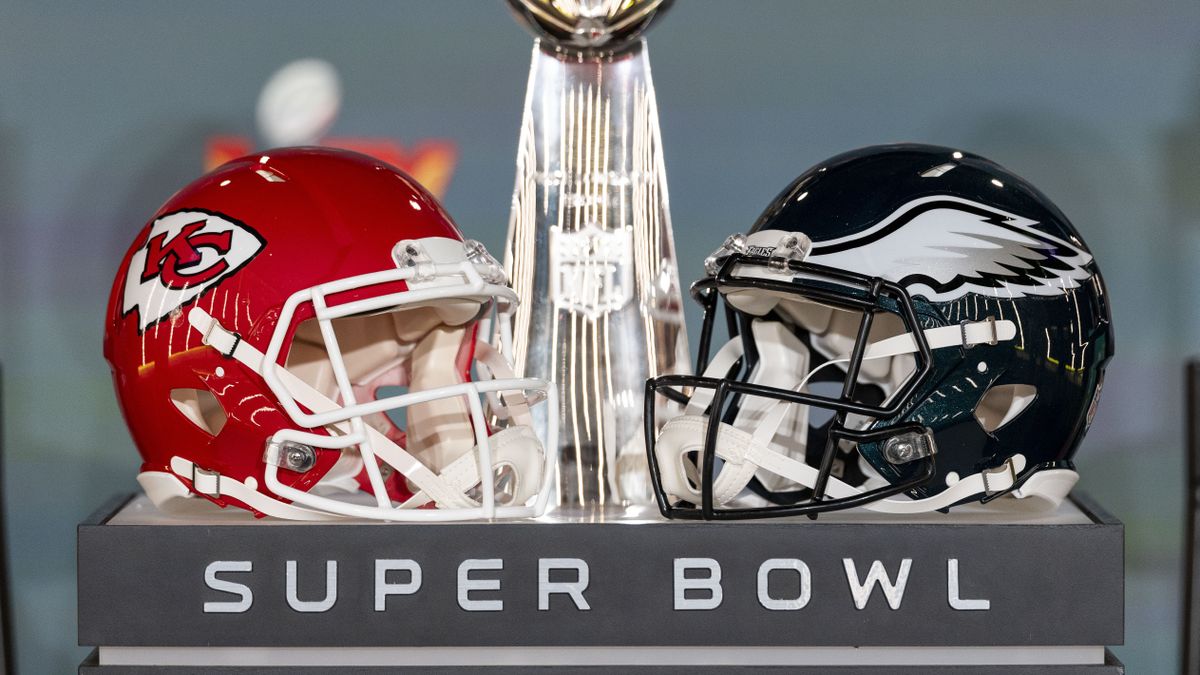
column 969, row 240
column 238, row 243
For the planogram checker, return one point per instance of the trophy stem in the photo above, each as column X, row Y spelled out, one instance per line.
column 591, row 254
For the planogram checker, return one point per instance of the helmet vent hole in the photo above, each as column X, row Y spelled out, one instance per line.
column 1002, row 404
column 504, row 478
column 201, row 408
column 506, row 484
column 691, row 463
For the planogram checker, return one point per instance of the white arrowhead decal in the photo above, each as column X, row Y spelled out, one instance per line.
column 186, row 253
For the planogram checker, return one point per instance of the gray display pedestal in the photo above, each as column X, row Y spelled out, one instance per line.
column 981, row 590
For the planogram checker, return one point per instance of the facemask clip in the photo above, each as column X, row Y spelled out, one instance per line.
column 791, row 247
column 734, row 244
column 290, row 455
column 909, row 447
column 409, row 253
column 488, row 267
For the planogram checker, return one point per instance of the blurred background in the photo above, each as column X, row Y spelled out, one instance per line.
column 106, row 109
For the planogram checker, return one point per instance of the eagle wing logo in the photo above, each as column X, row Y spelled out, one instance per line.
column 186, row 253
column 944, row 247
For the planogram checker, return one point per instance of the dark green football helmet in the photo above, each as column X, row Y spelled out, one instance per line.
column 910, row 328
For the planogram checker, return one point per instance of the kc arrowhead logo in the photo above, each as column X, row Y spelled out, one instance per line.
column 186, row 253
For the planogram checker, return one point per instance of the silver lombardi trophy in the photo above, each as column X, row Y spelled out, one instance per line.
column 590, row 249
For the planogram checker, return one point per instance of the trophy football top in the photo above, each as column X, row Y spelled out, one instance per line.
column 588, row 25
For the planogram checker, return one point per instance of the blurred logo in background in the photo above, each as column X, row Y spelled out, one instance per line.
column 299, row 105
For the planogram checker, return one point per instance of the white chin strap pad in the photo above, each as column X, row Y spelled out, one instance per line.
column 516, row 448
column 685, row 434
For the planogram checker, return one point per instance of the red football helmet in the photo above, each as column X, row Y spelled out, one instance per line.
column 299, row 326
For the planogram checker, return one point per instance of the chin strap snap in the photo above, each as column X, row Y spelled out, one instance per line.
column 1001, row 480
column 206, row 482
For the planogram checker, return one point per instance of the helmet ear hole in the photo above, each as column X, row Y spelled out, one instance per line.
column 504, row 478
column 1002, row 403
column 690, row 463
column 201, row 408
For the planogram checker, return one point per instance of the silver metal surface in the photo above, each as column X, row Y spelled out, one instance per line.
column 591, row 254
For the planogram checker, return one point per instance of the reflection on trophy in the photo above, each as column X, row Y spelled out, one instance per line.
column 590, row 249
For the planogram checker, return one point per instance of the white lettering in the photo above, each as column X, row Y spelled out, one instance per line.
column 956, row 602
column 321, row 605
column 574, row 589
column 711, row 584
column 241, row 590
column 877, row 575
column 384, row 588
column 784, row 604
column 466, row 584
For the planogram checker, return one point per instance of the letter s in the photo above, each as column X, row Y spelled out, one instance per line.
column 241, row 590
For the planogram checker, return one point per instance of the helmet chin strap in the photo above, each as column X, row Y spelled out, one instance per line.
column 744, row 453
column 448, row 490
column 171, row 496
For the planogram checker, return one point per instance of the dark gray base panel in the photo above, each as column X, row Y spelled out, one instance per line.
column 782, row 583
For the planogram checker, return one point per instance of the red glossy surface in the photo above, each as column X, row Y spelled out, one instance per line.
column 320, row 215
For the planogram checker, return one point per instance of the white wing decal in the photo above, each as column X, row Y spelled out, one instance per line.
column 944, row 247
